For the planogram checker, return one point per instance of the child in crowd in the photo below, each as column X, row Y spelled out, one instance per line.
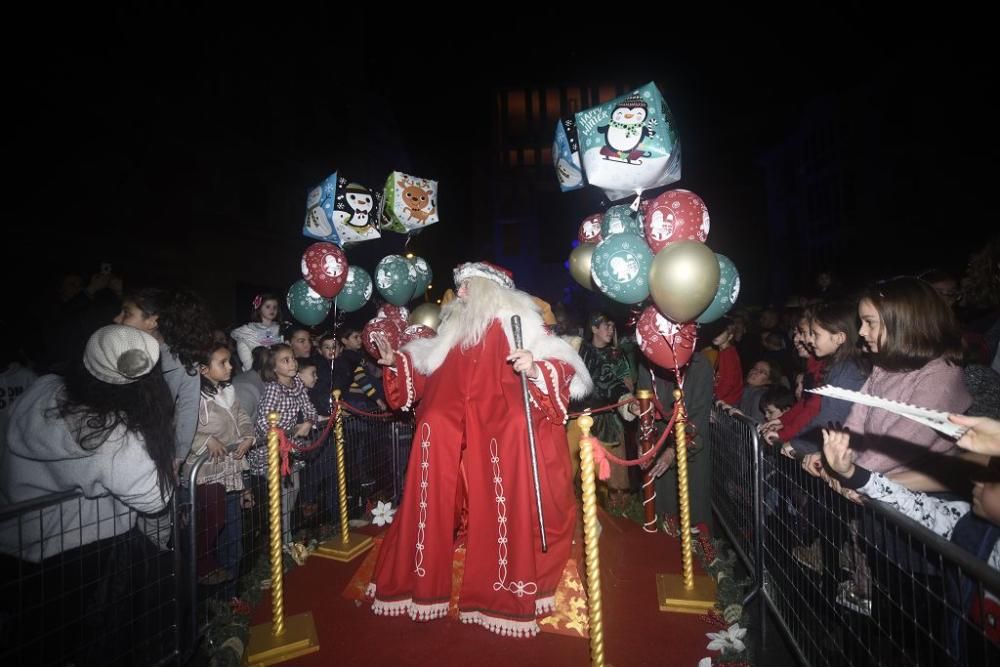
column 284, row 393
column 776, row 401
column 263, row 329
column 226, row 432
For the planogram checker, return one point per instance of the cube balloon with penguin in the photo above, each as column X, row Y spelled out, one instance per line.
column 410, row 203
column 566, row 156
column 630, row 144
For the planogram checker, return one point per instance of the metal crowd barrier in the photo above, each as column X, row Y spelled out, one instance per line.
column 376, row 453
column 101, row 591
column 135, row 592
column 848, row 583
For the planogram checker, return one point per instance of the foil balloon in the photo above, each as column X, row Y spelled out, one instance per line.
column 580, row 264
column 427, row 315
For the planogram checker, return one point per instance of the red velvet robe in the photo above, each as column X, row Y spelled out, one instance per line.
column 471, row 411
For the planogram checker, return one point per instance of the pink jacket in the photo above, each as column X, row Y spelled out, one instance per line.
column 888, row 443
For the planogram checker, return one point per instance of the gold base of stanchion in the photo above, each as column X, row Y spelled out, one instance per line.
column 673, row 596
column 337, row 549
column 299, row 639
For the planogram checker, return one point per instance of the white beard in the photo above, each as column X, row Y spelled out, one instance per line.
column 465, row 321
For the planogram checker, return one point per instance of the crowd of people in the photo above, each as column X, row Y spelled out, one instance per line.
column 131, row 398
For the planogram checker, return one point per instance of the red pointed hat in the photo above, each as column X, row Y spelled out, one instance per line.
column 497, row 274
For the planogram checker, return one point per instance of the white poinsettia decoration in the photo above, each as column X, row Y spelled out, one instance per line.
column 705, row 662
column 382, row 514
column 298, row 551
column 729, row 640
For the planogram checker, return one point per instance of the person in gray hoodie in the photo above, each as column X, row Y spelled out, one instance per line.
column 80, row 571
column 104, row 430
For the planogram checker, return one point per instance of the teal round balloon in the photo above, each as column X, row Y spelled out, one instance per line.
column 356, row 291
column 306, row 305
column 619, row 267
column 726, row 295
column 621, row 219
column 424, row 275
column 395, row 279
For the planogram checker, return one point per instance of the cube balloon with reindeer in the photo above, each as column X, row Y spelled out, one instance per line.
column 410, row 203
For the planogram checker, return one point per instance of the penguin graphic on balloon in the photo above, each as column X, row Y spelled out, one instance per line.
column 625, row 132
column 352, row 214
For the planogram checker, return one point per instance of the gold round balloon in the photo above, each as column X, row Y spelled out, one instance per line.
column 428, row 314
column 683, row 279
column 579, row 264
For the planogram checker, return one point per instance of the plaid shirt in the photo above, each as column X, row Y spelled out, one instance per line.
column 293, row 407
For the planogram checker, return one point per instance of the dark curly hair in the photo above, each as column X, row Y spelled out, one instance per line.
column 183, row 322
column 209, row 388
column 144, row 407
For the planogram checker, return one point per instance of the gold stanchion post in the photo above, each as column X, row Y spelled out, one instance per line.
column 350, row 545
column 591, row 547
column 282, row 639
column 646, row 440
column 684, row 593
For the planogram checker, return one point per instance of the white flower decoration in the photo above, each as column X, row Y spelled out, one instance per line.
column 727, row 640
column 705, row 662
column 382, row 515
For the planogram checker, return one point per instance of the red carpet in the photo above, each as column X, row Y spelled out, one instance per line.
column 636, row 632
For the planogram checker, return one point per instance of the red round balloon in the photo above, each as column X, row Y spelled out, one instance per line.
column 415, row 331
column 324, row 268
column 390, row 328
column 590, row 229
column 393, row 312
column 663, row 341
column 676, row 215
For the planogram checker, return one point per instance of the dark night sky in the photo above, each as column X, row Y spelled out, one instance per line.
column 135, row 133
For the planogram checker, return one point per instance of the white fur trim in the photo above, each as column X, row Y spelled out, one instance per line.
column 480, row 270
column 428, row 354
column 500, row 626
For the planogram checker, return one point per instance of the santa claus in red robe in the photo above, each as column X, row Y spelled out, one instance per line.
column 471, row 443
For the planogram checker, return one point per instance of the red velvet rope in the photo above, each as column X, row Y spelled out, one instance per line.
column 572, row 415
column 362, row 413
column 606, row 408
column 286, row 446
column 602, row 455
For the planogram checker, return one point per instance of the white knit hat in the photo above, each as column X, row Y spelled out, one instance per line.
column 119, row 354
column 497, row 274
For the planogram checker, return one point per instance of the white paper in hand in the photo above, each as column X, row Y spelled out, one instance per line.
column 934, row 418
